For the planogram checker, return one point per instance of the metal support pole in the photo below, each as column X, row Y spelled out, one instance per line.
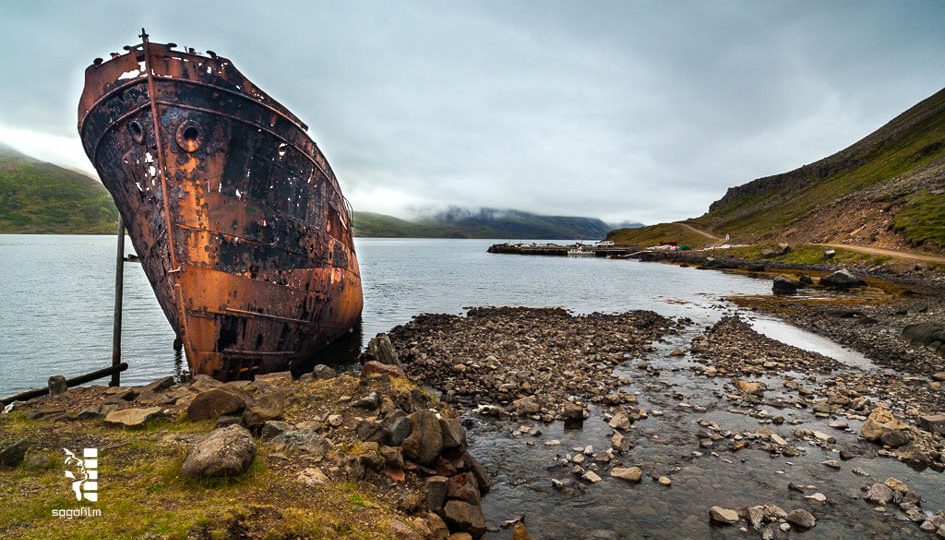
column 119, row 291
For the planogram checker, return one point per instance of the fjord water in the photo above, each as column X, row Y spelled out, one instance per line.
column 56, row 297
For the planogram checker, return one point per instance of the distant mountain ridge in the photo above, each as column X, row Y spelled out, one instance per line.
column 42, row 198
column 458, row 222
column 886, row 190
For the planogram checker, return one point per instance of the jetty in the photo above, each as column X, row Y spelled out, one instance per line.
column 600, row 249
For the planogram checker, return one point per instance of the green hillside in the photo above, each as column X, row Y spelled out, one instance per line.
column 481, row 223
column 38, row 197
column 886, row 190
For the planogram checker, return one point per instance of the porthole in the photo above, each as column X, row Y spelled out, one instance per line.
column 189, row 136
column 137, row 133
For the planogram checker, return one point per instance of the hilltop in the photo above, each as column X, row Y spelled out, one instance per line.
column 481, row 223
column 886, row 190
column 39, row 197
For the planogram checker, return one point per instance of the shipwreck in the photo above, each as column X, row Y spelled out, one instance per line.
column 238, row 219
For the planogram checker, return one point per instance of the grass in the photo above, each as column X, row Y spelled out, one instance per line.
column 902, row 151
column 660, row 234
column 143, row 495
column 922, row 220
column 804, row 254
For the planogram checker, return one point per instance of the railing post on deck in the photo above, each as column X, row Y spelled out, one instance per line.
column 119, row 291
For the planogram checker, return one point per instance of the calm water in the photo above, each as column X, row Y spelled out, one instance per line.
column 56, row 297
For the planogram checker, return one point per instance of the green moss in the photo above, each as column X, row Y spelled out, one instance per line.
column 922, row 220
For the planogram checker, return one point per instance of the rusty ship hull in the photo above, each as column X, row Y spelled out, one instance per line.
column 238, row 219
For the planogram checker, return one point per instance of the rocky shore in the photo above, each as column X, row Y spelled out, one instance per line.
column 326, row 456
column 584, row 408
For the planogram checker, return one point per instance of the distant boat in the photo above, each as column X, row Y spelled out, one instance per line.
column 238, row 219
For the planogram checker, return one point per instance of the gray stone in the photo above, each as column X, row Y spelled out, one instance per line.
column 268, row 406
column 224, row 421
column 465, row 517
column 934, row 423
column 398, row 429
column 368, row 402
column 436, row 489
column 454, row 434
column 214, row 403
column 159, row 385
column 273, row 428
column 425, row 441
column 842, row 279
column 132, row 417
column 305, row 442
column 226, row 451
column 801, row 518
column 629, row 474
column 321, row 371
column 782, row 285
column 879, row 494
column 381, row 349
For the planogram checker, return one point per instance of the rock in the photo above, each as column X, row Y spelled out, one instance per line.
column 782, row 285
column 573, row 411
column 275, row 378
column 940, row 376
column 57, row 385
column 664, row 481
column 224, row 421
column 368, row 402
column 801, row 518
column 436, row 488
column 482, row 477
column 620, row 421
column 933, row 523
column 374, row 368
column 426, row 437
column 724, row 516
column 896, row 484
column 526, row 405
column 465, row 517
column 454, row 434
column 37, row 461
column 818, row 498
column 159, row 385
column 895, row 439
column 591, row 477
column 463, row 487
column 303, row 442
column 927, row 333
column 398, row 428
column 132, row 417
column 619, row 443
column 519, row 532
column 833, row 464
column 273, row 428
column 749, row 387
column 629, row 474
column 321, row 371
column 268, row 406
column 312, row 476
column 12, row 454
column 382, row 350
column 213, row 403
column 227, row 451
column 934, row 423
column 880, row 422
column 879, row 494
column 842, row 279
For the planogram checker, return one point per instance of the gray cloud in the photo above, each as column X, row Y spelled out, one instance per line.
column 643, row 110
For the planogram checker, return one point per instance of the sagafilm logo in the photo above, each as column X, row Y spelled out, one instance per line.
column 83, row 471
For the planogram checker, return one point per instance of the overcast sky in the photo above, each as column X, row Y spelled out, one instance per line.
column 642, row 111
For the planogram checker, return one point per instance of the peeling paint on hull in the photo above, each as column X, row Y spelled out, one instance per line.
column 238, row 219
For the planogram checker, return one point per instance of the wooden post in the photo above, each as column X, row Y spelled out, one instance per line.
column 119, row 291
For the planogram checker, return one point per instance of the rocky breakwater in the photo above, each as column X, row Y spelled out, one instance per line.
column 327, row 455
column 545, row 364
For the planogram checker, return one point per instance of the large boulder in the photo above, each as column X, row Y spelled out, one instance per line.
column 382, row 350
column 213, row 403
column 263, row 408
column 466, row 517
column 930, row 334
column 842, row 279
column 226, row 451
column 425, row 441
column 934, row 423
column 880, row 423
column 12, row 454
column 783, row 285
column 132, row 417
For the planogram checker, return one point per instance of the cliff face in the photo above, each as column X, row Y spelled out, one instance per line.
column 887, row 189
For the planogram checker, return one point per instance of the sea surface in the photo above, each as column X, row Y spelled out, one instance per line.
column 57, row 298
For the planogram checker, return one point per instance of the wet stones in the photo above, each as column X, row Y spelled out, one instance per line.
column 724, row 516
column 749, row 387
column 463, row 516
column 934, row 423
column 801, row 518
column 784, row 286
column 627, row 474
column 881, row 423
column 213, row 403
column 226, row 451
column 878, row 493
column 381, row 349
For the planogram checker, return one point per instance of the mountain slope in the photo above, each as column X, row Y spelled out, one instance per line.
column 38, row 197
column 886, row 190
